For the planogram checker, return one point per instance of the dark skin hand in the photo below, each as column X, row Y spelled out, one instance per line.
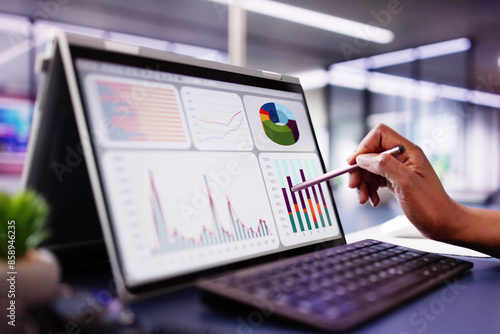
column 411, row 178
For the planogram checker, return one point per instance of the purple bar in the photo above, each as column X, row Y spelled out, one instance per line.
column 322, row 196
column 313, row 190
column 293, row 194
column 304, row 179
column 286, row 201
column 300, row 194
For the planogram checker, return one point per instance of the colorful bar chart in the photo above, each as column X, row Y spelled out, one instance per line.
column 308, row 210
column 137, row 113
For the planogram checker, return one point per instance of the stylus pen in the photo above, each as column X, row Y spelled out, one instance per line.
column 340, row 171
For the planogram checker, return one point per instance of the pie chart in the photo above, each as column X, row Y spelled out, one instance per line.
column 279, row 124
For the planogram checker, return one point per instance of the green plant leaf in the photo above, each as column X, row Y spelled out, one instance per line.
column 30, row 212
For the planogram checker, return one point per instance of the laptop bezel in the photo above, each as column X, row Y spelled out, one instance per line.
column 65, row 43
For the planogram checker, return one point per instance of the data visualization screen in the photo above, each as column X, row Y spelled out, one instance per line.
column 197, row 173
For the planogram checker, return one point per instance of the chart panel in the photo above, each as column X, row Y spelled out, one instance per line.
column 217, row 120
column 184, row 215
column 169, row 238
column 130, row 113
column 305, row 215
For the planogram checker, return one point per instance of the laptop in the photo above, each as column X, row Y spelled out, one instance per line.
column 187, row 165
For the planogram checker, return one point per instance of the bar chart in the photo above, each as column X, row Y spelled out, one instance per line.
column 305, row 215
column 132, row 112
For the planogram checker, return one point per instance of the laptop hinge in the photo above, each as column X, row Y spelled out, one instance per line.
column 272, row 75
column 42, row 63
column 120, row 47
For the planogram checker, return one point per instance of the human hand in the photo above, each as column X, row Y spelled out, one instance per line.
column 409, row 176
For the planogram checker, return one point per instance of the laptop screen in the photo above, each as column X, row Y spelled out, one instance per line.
column 196, row 164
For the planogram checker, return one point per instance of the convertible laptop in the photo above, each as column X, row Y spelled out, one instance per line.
column 188, row 165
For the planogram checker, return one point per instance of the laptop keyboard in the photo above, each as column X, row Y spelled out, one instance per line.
column 339, row 288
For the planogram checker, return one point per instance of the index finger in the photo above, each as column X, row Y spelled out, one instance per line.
column 379, row 139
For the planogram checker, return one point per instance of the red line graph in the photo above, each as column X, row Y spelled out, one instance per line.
column 220, row 123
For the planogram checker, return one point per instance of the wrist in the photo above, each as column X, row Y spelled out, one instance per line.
column 453, row 223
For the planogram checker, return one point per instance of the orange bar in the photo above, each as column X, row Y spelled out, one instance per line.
column 312, row 210
column 319, row 208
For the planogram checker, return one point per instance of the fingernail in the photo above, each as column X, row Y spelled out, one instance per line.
column 363, row 160
column 358, row 192
column 372, row 203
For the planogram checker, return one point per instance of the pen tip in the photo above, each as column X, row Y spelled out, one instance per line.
column 401, row 148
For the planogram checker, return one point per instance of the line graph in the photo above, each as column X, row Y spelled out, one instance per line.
column 217, row 119
column 220, row 123
column 224, row 132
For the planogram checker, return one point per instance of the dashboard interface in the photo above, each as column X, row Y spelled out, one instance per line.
column 196, row 172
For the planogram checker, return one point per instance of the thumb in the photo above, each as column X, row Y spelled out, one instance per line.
column 384, row 165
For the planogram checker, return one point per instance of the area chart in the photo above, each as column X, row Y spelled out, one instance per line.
column 170, row 239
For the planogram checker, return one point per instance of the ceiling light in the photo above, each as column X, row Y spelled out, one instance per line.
column 17, row 25
column 394, row 85
column 18, row 50
column 452, row 93
column 348, row 78
column 313, row 79
column 412, row 54
column 443, row 48
column 316, row 19
column 391, row 58
column 484, row 99
column 388, row 84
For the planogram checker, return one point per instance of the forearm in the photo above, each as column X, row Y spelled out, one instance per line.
column 477, row 229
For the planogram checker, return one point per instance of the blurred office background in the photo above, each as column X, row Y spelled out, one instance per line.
column 428, row 69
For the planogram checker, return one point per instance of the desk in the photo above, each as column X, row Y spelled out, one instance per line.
column 469, row 305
